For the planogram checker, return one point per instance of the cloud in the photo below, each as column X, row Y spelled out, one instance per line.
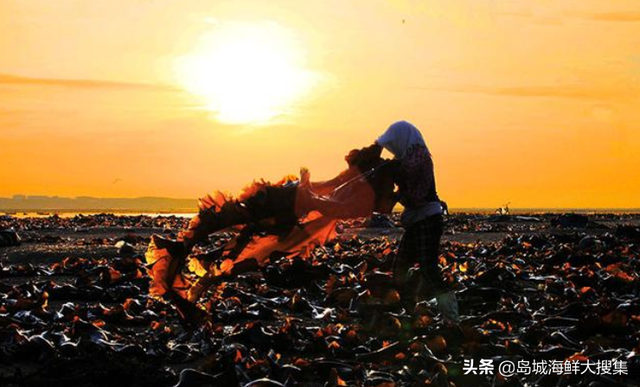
column 554, row 91
column 534, row 18
column 559, row 18
column 608, row 16
column 9, row 79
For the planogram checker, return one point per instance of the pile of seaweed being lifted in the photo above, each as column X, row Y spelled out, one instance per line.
column 75, row 308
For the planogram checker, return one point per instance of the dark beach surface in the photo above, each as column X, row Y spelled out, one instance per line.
column 74, row 309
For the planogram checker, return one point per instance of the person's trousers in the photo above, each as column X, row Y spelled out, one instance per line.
column 420, row 245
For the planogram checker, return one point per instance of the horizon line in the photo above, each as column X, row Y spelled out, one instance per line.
column 25, row 197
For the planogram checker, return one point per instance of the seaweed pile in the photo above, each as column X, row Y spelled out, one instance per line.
column 85, row 222
column 9, row 238
column 333, row 319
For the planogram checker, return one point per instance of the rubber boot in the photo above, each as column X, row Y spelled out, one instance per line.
column 448, row 305
column 409, row 290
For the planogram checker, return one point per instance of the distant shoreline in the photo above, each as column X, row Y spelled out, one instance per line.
column 188, row 212
column 42, row 205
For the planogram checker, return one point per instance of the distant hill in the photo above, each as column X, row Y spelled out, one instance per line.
column 22, row 203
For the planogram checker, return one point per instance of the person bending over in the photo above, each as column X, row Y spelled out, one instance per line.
column 422, row 217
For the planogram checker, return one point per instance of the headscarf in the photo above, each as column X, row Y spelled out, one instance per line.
column 399, row 137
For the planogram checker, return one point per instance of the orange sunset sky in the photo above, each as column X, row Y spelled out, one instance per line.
column 536, row 103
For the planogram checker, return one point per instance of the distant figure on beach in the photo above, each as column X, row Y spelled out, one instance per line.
column 504, row 210
column 422, row 217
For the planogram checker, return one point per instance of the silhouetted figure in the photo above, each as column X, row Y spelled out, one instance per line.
column 422, row 217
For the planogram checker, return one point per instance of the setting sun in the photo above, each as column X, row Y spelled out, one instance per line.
column 246, row 74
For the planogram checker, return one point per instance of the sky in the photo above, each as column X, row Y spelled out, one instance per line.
column 532, row 103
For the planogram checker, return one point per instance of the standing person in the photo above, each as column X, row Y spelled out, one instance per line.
column 422, row 217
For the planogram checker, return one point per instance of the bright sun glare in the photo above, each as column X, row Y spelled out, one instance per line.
column 246, row 73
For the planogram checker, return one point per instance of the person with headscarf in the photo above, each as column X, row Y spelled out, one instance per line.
column 422, row 217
